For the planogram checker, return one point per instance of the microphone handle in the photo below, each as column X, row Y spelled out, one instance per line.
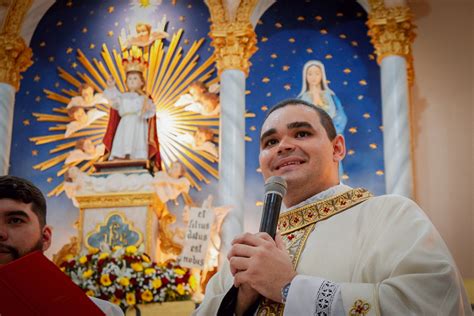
column 271, row 212
column 268, row 224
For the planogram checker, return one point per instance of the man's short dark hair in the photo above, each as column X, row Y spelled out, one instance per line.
column 22, row 190
column 324, row 118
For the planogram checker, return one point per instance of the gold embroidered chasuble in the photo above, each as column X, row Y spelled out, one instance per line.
column 296, row 225
column 388, row 258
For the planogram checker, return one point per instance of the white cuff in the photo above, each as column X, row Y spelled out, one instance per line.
column 313, row 296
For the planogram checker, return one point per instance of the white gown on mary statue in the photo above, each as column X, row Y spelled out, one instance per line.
column 131, row 135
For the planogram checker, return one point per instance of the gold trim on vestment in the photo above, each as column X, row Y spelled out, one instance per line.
column 295, row 242
column 320, row 210
column 296, row 225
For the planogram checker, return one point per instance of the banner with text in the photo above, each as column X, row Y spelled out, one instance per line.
column 197, row 238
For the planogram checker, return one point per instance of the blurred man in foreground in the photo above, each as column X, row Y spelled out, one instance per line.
column 23, row 227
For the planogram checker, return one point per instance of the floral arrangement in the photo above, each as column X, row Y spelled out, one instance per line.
column 127, row 276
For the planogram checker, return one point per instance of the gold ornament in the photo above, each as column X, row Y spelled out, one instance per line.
column 392, row 32
column 376, row 5
column 154, row 208
column 117, row 200
column 167, row 243
column 70, row 249
column 15, row 55
column 233, row 38
column 16, row 13
column 120, row 200
column 134, row 60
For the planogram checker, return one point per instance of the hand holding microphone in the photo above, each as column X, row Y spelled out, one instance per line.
column 243, row 245
column 260, row 264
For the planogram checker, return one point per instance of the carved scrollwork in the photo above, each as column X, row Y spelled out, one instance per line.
column 392, row 33
column 167, row 244
column 15, row 58
column 15, row 55
column 233, row 37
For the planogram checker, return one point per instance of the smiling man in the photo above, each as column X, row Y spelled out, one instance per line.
column 341, row 250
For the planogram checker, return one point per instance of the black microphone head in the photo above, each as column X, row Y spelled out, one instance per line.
column 275, row 184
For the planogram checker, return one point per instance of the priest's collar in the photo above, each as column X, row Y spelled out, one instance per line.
column 332, row 191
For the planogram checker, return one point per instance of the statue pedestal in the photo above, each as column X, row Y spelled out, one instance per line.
column 120, row 208
column 124, row 165
column 120, row 219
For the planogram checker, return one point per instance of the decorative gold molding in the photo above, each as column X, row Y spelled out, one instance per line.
column 376, row 5
column 150, row 236
column 15, row 55
column 167, row 243
column 15, row 15
column 70, row 249
column 5, row 3
column 119, row 200
column 392, row 33
column 80, row 228
column 112, row 200
column 15, row 58
column 154, row 208
column 233, row 38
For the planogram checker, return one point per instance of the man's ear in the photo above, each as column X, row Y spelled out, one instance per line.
column 46, row 237
column 339, row 148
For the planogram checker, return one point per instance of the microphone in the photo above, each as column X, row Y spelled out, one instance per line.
column 275, row 190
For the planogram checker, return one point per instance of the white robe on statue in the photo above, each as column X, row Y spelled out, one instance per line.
column 380, row 257
column 131, row 136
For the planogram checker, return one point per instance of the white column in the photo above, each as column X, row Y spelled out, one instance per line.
column 396, row 124
column 7, row 101
column 232, row 153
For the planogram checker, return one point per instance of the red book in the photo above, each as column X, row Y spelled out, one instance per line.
column 33, row 285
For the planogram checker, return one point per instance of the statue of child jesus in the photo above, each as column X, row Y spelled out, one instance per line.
column 131, row 131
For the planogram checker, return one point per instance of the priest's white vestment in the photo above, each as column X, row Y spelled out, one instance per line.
column 381, row 256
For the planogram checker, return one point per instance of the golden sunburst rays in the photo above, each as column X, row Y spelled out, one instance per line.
column 169, row 73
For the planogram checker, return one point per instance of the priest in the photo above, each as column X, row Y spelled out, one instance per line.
column 340, row 250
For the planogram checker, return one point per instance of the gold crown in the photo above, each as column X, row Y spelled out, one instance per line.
column 134, row 60
column 134, row 64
